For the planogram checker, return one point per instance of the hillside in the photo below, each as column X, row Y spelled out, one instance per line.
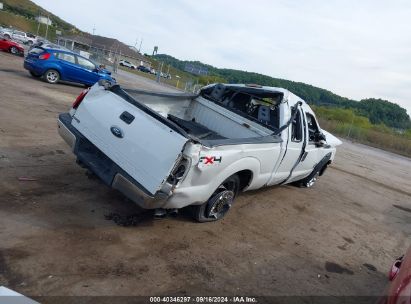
column 30, row 10
column 21, row 14
column 378, row 111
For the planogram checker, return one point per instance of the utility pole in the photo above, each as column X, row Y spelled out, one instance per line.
column 38, row 26
column 47, row 27
column 159, row 72
column 141, row 42
column 94, row 30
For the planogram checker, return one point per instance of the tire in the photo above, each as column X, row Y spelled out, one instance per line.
column 52, row 76
column 318, row 170
column 34, row 74
column 220, row 202
column 309, row 181
column 30, row 42
column 14, row 50
column 7, row 36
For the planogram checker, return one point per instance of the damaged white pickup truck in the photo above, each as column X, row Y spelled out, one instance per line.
column 174, row 150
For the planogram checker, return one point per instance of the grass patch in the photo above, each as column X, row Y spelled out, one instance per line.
column 347, row 124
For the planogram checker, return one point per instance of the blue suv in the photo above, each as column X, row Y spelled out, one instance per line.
column 60, row 64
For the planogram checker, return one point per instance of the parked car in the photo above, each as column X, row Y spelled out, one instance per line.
column 127, row 64
column 19, row 36
column 144, row 69
column 11, row 46
column 153, row 71
column 174, row 150
column 58, row 64
column 399, row 289
column 41, row 42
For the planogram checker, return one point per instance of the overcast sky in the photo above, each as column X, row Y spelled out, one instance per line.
column 356, row 49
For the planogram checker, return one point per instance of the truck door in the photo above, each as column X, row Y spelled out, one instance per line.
column 313, row 152
column 296, row 137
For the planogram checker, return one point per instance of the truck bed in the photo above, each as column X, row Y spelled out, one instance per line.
column 200, row 117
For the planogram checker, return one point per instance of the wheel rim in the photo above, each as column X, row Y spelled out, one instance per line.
column 52, row 76
column 312, row 181
column 13, row 50
column 221, row 202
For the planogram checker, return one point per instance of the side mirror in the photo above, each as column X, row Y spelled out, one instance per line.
column 320, row 137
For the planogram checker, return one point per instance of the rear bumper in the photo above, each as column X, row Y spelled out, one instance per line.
column 31, row 66
column 90, row 157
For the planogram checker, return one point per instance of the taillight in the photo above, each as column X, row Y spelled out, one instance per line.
column 44, row 56
column 80, row 98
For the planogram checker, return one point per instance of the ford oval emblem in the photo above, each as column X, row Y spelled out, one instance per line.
column 117, row 132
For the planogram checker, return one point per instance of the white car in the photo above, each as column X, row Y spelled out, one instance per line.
column 174, row 150
column 19, row 36
column 127, row 64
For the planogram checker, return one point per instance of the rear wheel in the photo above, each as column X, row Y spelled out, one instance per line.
column 219, row 203
column 14, row 50
column 310, row 180
column 7, row 36
column 52, row 76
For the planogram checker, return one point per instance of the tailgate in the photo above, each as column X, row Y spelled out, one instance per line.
column 144, row 146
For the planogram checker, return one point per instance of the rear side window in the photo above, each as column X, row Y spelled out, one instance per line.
column 67, row 57
column 87, row 64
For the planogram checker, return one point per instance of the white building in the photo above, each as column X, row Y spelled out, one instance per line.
column 44, row 20
column 1, row 5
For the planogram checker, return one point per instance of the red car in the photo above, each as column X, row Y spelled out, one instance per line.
column 11, row 46
column 399, row 291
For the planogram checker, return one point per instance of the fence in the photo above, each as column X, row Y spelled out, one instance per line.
column 389, row 141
